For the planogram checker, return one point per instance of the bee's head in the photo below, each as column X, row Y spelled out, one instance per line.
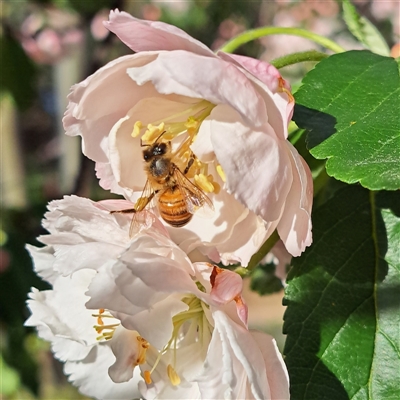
column 157, row 149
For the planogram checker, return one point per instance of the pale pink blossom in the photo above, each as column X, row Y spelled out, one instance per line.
column 136, row 317
column 48, row 34
column 231, row 111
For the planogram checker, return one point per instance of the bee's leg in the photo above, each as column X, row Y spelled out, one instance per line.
column 189, row 164
column 126, row 211
column 144, row 201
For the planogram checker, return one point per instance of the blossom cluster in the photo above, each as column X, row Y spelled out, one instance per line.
column 146, row 312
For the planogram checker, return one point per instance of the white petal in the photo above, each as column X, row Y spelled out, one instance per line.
column 43, row 262
column 126, row 349
column 155, row 324
column 62, row 311
column 277, row 375
column 91, row 376
column 243, row 372
column 107, row 179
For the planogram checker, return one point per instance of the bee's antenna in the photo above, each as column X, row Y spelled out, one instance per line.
column 143, row 145
column 160, row 136
column 148, row 145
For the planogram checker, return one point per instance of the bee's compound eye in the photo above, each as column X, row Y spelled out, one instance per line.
column 146, row 155
column 160, row 149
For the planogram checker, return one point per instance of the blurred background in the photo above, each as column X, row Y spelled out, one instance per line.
column 47, row 46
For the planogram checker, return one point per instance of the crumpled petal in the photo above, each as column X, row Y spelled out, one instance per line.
column 91, row 376
column 61, row 317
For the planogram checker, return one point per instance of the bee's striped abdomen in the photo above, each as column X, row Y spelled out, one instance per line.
column 173, row 208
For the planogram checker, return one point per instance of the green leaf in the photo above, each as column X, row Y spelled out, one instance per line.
column 350, row 106
column 364, row 30
column 343, row 297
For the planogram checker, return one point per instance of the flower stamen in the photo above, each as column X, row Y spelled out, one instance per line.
column 173, row 376
column 106, row 331
column 221, row 172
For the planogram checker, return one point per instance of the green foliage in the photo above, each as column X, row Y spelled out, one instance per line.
column 18, row 74
column 342, row 321
column 10, row 381
column 89, row 8
column 363, row 30
column 264, row 281
column 350, row 105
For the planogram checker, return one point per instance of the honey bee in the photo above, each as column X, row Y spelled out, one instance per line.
column 175, row 196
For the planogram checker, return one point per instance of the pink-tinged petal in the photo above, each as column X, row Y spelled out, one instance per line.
column 272, row 87
column 294, row 228
column 225, row 284
column 141, row 35
column 257, row 166
column 91, row 376
column 92, row 112
column 114, row 204
column 265, row 72
column 200, row 77
column 242, row 309
column 277, row 375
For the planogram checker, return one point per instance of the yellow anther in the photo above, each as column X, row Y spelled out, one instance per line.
column 136, row 129
column 192, row 123
column 143, row 345
column 173, row 376
column 206, row 183
column 153, row 132
column 147, row 377
column 216, row 185
column 221, row 172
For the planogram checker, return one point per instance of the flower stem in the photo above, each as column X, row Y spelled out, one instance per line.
column 264, row 250
column 253, row 34
column 295, row 58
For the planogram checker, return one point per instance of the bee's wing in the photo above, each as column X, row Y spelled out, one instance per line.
column 194, row 197
column 141, row 218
